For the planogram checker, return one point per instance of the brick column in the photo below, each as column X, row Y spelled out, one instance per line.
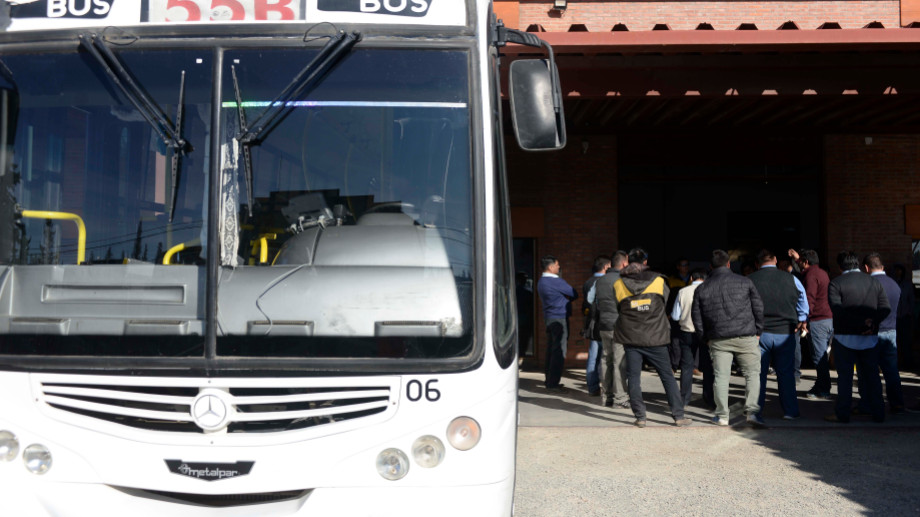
column 577, row 189
column 868, row 180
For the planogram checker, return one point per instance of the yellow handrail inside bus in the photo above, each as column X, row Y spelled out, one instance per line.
column 66, row 216
column 263, row 251
column 262, row 243
column 167, row 258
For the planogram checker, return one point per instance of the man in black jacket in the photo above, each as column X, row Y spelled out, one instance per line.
column 645, row 332
column 859, row 304
column 728, row 313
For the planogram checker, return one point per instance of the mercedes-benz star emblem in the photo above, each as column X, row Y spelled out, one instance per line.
column 210, row 411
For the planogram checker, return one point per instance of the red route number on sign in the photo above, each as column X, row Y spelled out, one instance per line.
column 223, row 10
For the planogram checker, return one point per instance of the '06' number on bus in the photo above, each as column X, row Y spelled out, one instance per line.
column 415, row 391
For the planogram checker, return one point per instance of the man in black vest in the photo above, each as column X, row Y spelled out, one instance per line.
column 728, row 313
column 645, row 332
column 590, row 330
column 613, row 367
column 785, row 310
column 859, row 305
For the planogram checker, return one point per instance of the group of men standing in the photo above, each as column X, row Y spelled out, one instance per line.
column 727, row 319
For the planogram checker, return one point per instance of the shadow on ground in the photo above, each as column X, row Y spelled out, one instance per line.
column 876, row 466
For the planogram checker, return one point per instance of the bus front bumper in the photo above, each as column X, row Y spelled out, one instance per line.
column 36, row 499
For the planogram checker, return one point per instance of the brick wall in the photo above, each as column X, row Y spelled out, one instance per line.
column 577, row 187
column 722, row 15
column 866, row 188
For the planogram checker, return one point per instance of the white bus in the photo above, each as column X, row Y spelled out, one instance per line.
column 254, row 256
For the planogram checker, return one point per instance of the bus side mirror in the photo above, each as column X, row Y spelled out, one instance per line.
column 536, row 110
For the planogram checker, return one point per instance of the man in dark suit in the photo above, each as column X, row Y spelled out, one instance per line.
column 859, row 305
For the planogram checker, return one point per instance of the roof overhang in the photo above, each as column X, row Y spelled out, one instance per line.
column 718, row 41
column 803, row 80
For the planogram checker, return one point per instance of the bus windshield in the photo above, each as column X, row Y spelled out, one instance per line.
column 345, row 228
column 85, row 182
column 360, row 239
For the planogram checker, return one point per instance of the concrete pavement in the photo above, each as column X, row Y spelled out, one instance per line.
column 575, row 457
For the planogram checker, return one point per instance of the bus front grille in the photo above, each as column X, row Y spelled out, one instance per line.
column 251, row 405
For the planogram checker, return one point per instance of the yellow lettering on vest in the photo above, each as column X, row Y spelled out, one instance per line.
column 635, row 304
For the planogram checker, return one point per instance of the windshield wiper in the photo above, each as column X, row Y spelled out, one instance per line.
column 331, row 53
column 169, row 133
column 244, row 147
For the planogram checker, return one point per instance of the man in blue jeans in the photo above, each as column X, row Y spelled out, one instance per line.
column 820, row 320
column 591, row 330
column 785, row 310
column 887, row 341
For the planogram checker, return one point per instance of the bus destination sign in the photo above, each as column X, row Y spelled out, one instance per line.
column 50, row 14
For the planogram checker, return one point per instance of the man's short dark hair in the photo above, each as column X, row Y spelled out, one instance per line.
column 619, row 257
column 719, row 259
column 547, row 261
column 765, row 255
column 874, row 261
column 637, row 255
column 697, row 274
column 600, row 262
column 810, row 255
column 847, row 260
column 683, row 260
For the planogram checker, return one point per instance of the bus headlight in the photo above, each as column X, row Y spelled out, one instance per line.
column 428, row 451
column 463, row 433
column 9, row 446
column 37, row 458
column 393, row 464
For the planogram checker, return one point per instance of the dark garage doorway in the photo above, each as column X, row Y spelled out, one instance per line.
column 684, row 195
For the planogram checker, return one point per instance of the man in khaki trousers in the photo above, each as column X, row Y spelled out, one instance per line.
column 728, row 313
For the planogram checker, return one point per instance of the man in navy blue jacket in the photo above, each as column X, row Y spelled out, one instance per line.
column 556, row 295
column 887, row 340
